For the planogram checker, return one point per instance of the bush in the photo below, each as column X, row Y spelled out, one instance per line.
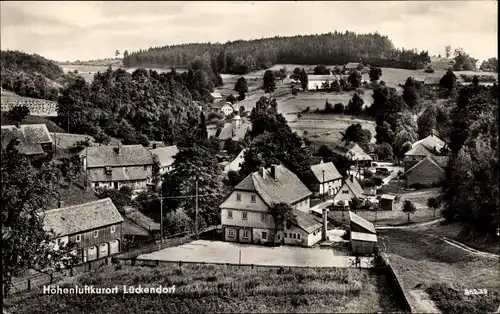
column 429, row 70
column 451, row 300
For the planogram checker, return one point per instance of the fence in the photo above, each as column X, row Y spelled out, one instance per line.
column 396, row 282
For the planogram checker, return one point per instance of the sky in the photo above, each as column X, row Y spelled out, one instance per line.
column 81, row 30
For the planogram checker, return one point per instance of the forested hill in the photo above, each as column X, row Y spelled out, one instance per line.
column 242, row 56
column 30, row 75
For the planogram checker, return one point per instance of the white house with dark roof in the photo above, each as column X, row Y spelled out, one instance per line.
column 429, row 146
column 350, row 189
column 165, row 157
column 245, row 213
column 324, row 178
column 34, row 139
column 95, row 228
column 117, row 166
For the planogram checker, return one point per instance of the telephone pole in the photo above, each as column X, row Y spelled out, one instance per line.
column 196, row 208
column 161, row 216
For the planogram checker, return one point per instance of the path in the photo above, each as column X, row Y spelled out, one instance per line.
column 410, row 226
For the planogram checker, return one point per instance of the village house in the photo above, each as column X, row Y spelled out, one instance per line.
column 324, row 178
column 318, row 82
column 235, row 130
column 354, row 153
column 235, row 164
column 95, row 228
column 117, row 166
column 429, row 172
column 217, row 97
column 353, row 66
column 34, row 139
column 350, row 189
column 363, row 235
column 245, row 213
column 165, row 158
column 226, row 108
column 429, row 146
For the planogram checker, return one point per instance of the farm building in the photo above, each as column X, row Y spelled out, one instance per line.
column 363, row 243
column 317, row 82
column 353, row 66
column 34, row 139
column 431, row 145
column 359, row 224
column 387, row 202
column 427, row 172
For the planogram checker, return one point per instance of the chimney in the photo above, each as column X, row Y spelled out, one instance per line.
column 262, row 172
column 274, row 173
column 60, row 204
column 325, row 224
column 352, row 178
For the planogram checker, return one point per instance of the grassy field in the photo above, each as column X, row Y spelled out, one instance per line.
column 423, row 261
column 210, row 289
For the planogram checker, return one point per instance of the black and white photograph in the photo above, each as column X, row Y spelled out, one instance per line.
column 250, row 157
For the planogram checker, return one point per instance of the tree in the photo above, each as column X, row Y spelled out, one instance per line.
column 433, row 203
column 410, row 94
column 269, row 85
column 18, row 113
column 295, row 92
column 283, row 215
column 338, row 108
column 490, row 65
column 447, row 51
column 355, row 204
column 355, row 133
column 375, row 73
column 241, row 86
column 304, row 80
column 231, row 99
column 355, row 105
column 117, row 53
column 121, row 198
column 384, row 151
column 234, row 178
column 321, row 70
column 409, row 208
column 26, row 193
column 202, row 133
column 71, row 168
column 449, row 80
column 354, row 79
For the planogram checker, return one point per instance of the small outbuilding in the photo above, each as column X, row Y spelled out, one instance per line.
column 387, row 202
column 363, row 243
column 359, row 224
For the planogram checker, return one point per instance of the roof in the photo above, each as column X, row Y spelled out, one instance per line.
column 241, row 131
column 326, row 171
column 354, row 186
column 441, row 160
column 351, row 65
column 363, row 223
column 432, row 80
column 131, row 173
column 30, row 136
column 235, row 164
column 388, row 197
column 166, row 155
column 428, row 161
column 216, row 95
column 358, row 153
column 68, row 140
column 226, row 131
column 307, row 222
column 428, row 143
column 129, row 155
column 367, row 237
column 286, row 189
column 84, row 217
column 132, row 228
column 323, row 77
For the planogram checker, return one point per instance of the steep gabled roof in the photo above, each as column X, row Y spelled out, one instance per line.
column 286, row 189
column 235, row 164
column 307, row 222
column 216, row 95
column 80, row 218
column 166, row 155
column 68, row 140
column 363, row 223
column 345, row 148
column 128, row 155
column 429, row 143
column 423, row 164
column 355, row 187
column 30, row 137
column 328, row 169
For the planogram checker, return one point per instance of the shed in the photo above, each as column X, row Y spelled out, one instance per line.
column 359, row 224
column 387, row 202
column 363, row 243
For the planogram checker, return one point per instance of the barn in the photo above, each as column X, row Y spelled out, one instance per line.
column 363, row 243
column 387, row 202
column 359, row 224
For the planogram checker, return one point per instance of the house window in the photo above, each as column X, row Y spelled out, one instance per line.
column 285, row 235
column 230, row 214
column 345, row 192
column 97, row 184
column 96, row 233
column 112, row 229
column 278, row 236
column 290, row 235
column 238, row 197
column 264, row 217
column 78, row 238
column 264, row 235
column 298, row 236
column 245, row 234
column 145, row 167
column 230, row 233
column 244, row 215
column 295, row 236
column 253, row 199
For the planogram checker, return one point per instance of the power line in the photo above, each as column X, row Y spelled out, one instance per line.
column 190, row 196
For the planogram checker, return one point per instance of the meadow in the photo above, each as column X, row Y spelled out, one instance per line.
column 210, row 289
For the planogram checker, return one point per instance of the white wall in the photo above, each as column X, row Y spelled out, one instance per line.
column 303, row 205
column 344, row 197
column 332, row 187
column 314, row 238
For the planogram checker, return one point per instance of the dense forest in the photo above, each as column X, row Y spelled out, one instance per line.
column 243, row 56
column 30, row 75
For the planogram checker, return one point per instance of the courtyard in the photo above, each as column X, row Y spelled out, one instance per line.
column 225, row 252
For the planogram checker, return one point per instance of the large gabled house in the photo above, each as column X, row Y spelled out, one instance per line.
column 429, row 172
column 429, row 146
column 245, row 215
column 324, row 178
column 117, row 166
column 95, row 228
column 34, row 139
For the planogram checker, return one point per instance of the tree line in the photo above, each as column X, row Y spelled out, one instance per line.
column 244, row 56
